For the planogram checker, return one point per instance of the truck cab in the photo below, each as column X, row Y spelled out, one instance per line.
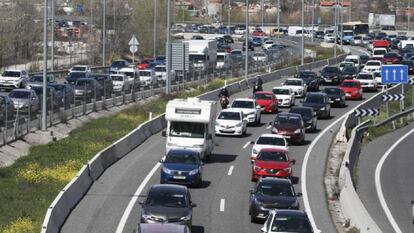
column 191, row 125
column 347, row 36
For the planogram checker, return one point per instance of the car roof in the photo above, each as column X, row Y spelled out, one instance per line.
column 22, row 90
column 275, row 180
column 274, row 150
column 299, row 213
column 161, row 227
column 14, row 70
column 289, row 114
column 281, row 87
column 301, row 107
column 179, row 151
column 244, row 99
column 350, row 81
column 168, row 187
column 271, row 135
column 316, row 93
column 231, row 110
column 296, row 79
column 264, row 92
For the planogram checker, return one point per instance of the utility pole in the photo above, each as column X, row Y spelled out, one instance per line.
column 155, row 30
column 313, row 19
column 44, row 106
column 342, row 23
column 336, row 26
column 302, row 57
column 278, row 16
column 168, row 47
column 228, row 17
column 409, row 16
column 246, row 59
column 52, row 50
column 103, row 31
column 350, row 11
column 262, row 7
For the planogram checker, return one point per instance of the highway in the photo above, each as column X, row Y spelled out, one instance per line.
column 397, row 167
column 223, row 199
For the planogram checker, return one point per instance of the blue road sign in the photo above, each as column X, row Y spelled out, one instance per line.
column 394, row 74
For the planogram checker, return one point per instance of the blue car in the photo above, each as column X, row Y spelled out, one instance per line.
column 117, row 65
column 182, row 167
column 257, row 42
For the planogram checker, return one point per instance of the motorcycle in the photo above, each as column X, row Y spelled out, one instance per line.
column 224, row 101
column 257, row 87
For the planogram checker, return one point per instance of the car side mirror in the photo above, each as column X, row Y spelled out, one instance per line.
column 252, row 142
column 141, row 202
column 293, row 161
column 161, row 160
column 164, row 133
column 299, row 194
column 314, row 113
column 252, row 161
column 193, row 205
column 251, row 191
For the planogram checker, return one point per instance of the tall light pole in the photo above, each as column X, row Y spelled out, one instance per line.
column 246, row 59
column 44, row 95
column 409, row 15
column 262, row 7
column 302, row 57
column 342, row 23
column 228, row 17
column 52, row 49
column 278, row 16
column 350, row 11
column 168, row 51
column 336, row 26
column 155, row 30
column 313, row 19
column 103, row 31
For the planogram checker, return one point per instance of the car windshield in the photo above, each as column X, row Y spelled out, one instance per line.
column 330, row 69
column 286, row 119
column 117, row 78
column 350, row 84
column 182, row 158
column 349, row 69
column 39, row 90
column 380, row 52
column 274, row 189
column 314, row 99
column 58, row 87
column 196, row 57
column 373, row 63
column 274, row 141
column 84, row 83
column 278, row 91
column 233, row 116
column 19, row 94
column 36, row 79
column 78, row 68
column 11, row 74
column 262, row 96
column 274, row 156
column 167, row 199
column 236, row 52
column 291, row 224
column 302, row 111
column 242, row 104
column 355, row 61
column 365, row 76
column 160, row 68
column 293, row 82
column 118, row 63
column 348, row 33
column 78, row 75
column 390, row 55
column 187, row 129
column 144, row 73
column 332, row 91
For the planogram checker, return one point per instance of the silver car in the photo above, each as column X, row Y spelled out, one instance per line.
column 25, row 100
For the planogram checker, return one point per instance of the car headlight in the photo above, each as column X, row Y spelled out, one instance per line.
column 274, row 130
column 148, row 217
column 258, row 202
column 297, row 131
column 193, row 172
column 254, row 151
column 186, row 218
column 239, row 124
column 166, row 170
column 288, row 170
column 323, row 109
column 338, row 99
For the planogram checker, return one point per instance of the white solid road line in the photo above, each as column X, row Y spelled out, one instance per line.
column 378, row 185
column 246, row 145
column 306, row 159
column 230, row 170
column 134, row 199
column 222, row 204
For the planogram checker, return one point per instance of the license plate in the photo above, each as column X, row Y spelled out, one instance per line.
column 179, row 177
column 389, row 62
column 287, row 136
column 347, row 94
column 328, row 80
column 331, row 101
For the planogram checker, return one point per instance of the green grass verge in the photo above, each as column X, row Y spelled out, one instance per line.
column 29, row 186
column 322, row 53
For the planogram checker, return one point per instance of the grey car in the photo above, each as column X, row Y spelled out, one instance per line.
column 88, row 88
column 320, row 103
column 25, row 100
column 37, row 80
column 161, row 227
column 7, row 108
column 168, row 203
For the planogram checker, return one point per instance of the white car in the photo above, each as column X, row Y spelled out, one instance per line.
column 230, row 122
column 357, row 41
column 251, row 111
column 268, row 43
column 355, row 59
column 329, row 38
column 260, row 57
column 298, row 86
column 12, row 79
column 285, row 96
column 372, row 66
column 284, row 220
column 377, row 76
column 121, row 82
column 161, row 73
column 240, row 30
column 379, row 52
column 272, row 141
column 80, row 68
column 147, row 77
column 367, row 81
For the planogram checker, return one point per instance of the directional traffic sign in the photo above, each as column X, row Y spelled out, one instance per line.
column 366, row 112
column 411, row 81
column 133, row 48
column 133, row 41
column 394, row 74
column 395, row 97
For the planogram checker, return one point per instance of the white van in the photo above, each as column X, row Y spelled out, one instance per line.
column 191, row 125
column 379, row 52
column 223, row 60
column 354, row 59
column 147, row 77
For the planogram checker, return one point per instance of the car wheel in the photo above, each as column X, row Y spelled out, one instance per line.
column 329, row 114
column 253, row 218
column 315, row 126
column 259, row 120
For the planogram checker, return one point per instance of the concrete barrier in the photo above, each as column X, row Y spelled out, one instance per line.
column 68, row 198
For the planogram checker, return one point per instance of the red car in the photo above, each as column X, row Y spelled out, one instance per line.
column 391, row 58
column 144, row 64
column 266, row 100
column 290, row 126
column 352, row 89
column 258, row 33
column 272, row 163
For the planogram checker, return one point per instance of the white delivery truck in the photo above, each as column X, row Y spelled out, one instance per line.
column 191, row 125
column 294, row 31
column 223, row 60
column 404, row 43
column 203, row 54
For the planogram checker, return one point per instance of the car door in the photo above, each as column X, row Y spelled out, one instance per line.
column 35, row 104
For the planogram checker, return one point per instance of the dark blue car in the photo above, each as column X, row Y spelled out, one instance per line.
column 182, row 167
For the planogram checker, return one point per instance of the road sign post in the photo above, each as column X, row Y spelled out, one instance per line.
column 133, row 47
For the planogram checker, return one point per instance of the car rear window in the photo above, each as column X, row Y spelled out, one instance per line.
column 274, row 141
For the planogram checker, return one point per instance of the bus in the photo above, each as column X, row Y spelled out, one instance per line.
column 357, row 27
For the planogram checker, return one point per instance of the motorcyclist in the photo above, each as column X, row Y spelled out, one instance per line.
column 224, row 92
column 224, row 97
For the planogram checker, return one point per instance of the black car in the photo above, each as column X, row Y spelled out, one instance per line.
column 7, row 109
column 308, row 115
column 310, row 78
column 336, row 96
column 349, row 72
column 105, row 81
column 167, row 203
column 249, row 44
column 283, row 220
column 228, row 39
column 272, row 193
column 331, row 75
column 88, row 88
column 320, row 104
column 363, row 58
column 394, row 44
column 72, row 77
column 410, row 64
column 161, row 227
column 64, row 94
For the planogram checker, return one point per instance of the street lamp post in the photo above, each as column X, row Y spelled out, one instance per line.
column 409, row 15
column 262, row 7
column 228, row 17
column 44, row 107
column 342, row 23
column 168, row 52
column 155, row 30
column 302, row 58
column 336, row 27
column 103, row 31
column 313, row 19
column 52, row 49
column 246, row 59
column 278, row 16
column 350, row 11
